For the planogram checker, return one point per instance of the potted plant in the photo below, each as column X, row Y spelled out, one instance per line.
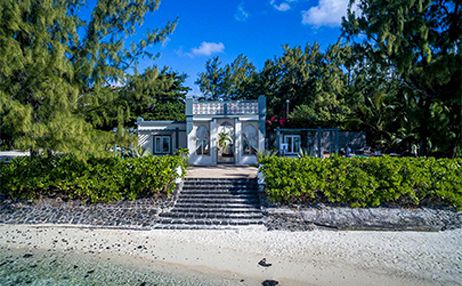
column 224, row 140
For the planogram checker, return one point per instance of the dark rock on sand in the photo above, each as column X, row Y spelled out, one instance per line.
column 270, row 283
column 264, row 263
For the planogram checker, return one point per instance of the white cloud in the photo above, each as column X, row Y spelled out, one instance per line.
column 326, row 13
column 282, row 6
column 207, row 49
column 241, row 14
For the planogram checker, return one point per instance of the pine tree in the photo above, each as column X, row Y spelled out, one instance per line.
column 418, row 42
column 54, row 80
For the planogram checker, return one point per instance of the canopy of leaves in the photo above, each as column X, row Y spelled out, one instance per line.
column 58, row 72
column 230, row 82
column 416, row 44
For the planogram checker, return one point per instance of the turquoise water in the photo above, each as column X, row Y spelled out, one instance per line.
column 22, row 267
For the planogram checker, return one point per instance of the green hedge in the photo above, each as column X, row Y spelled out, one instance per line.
column 92, row 180
column 364, row 182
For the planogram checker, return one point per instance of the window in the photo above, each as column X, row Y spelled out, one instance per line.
column 161, row 144
column 202, row 141
column 250, row 140
column 293, row 144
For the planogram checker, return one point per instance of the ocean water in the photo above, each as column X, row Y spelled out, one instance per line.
column 25, row 267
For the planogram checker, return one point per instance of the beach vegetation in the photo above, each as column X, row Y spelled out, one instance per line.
column 364, row 182
column 92, row 180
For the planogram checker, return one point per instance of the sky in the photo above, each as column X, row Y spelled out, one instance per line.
column 227, row 28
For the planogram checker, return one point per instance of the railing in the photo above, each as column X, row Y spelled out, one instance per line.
column 236, row 107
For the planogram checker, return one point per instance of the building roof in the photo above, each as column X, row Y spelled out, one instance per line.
column 160, row 124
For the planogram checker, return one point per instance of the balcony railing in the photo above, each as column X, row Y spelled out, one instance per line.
column 236, row 107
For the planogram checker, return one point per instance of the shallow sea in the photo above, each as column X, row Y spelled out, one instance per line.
column 25, row 267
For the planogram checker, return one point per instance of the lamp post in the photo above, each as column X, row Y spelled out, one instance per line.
column 287, row 108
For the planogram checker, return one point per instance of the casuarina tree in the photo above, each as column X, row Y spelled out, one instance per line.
column 57, row 69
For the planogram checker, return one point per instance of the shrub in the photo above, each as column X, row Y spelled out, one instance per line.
column 93, row 180
column 364, row 182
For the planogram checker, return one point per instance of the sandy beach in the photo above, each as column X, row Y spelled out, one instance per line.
column 296, row 258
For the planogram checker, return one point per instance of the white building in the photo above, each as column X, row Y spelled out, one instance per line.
column 214, row 132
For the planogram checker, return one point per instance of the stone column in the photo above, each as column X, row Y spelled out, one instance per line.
column 213, row 140
column 190, row 137
column 237, row 140
column 261, row 122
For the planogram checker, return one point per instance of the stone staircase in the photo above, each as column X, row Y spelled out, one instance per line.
column 214, row 203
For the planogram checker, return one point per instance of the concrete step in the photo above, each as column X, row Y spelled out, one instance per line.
column 220, row 195
column 194, row 227
column 222, row 206
column 217, row 192
column 213, row 215
column 183, row 200
column 186, row 183
column 214, row 203
column 203, row 221
column 218, row 187
column 216, row 210
column 219, row 180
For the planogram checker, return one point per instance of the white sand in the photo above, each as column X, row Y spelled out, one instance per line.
column 298, row 258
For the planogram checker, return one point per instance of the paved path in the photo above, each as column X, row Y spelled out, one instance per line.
column 222, row 171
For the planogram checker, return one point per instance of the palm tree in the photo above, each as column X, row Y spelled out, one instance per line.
column 224, row 139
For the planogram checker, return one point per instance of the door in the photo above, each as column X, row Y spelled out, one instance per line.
column 225, row 142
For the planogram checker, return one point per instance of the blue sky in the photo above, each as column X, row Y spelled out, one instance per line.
column 227, row 28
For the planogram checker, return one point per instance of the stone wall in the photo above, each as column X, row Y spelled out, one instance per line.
column 339, row 218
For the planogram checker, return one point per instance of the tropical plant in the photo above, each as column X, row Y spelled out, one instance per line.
column 224, row 139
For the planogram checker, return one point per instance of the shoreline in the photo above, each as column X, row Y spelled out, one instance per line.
column 297, row 258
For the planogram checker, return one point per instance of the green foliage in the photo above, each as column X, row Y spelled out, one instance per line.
column 313, row 81
column 232, row 81
column 92, row 180
column 415, row 47
column 153, row 95
column 56, row 82
column 183, row 153
column 224, row 139
column 364, row 182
